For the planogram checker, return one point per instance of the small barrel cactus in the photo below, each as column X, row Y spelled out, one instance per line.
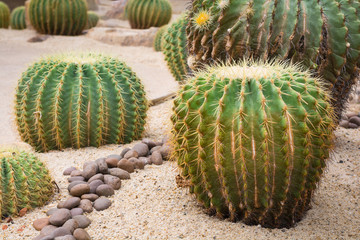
column 175, row 49
column 79, row 100
column 65, row 17
column 322, row 35
column 93, row 20
column 25, row 182
column 253, row 140
column 158, row 40
column 4, row 15
column 144, row 14
column 17, row 18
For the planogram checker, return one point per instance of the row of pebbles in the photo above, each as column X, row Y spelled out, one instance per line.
column 350, row 120
column 90, row 187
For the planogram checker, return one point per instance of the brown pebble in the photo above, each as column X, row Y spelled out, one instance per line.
column 102, row 204
column 351, row 114
column 79, row 190
column 72, row 184
column 85, row 204
column 81, row 234
column 123, row 152
column 94, row 184
column 150, row 143
column 76, row 173
column 112, row 162
column 145, row 160
column 156, row 158
column 51, row 211
column 68, row 170
column 77, row 178
column 47, row 230
column 126, row 165
column 67, row 237
column 105, row 190
column 71, row 225
column 353, row 125
column 40, row 223
column 142, row 149
column 114, row 156
column 113, row 181
column 344, row 124
column 165, row 151
column 90, row 170
column 82, row 221
column 98, row 176
column 61, row 231
column 355, row 120
column 76, row 211
column 157, row 148
column 60, row 217
column 130, row 154
column 71, row 203
column 138, row 164
column 120, row 173
column 102, row 165
column 90, row 196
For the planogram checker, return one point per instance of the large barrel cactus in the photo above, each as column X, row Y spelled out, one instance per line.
column 93, row 20
column 4, row 15
column 65, row 17
column 158, row 40
column 144, row 14
column 25, row 182
column 78, row 100
column 17, row 18
column 253, row 139
column 175, row 48
column 323, row 35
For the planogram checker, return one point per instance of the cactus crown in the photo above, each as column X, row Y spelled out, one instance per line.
column 25, row 182
column 4, row 15
column 253, row 139
column 78, row 100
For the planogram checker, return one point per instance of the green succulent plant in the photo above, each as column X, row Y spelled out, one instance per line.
column 93, row 20
column 25, row 182
column 158, row 40
column 79, row 100
column 17, row 18
column 4, row 15
column 322, row 35
column 253, row 140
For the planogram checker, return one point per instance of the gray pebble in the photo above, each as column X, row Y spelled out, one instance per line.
column 68, row 170
column 165, row 151
column 81, row 234
column 85, row 204
column 145, row 160
column 76, row 211
column 67, row 237
column 105, row 190
column 114, row 156
column 102, row 165
column 120, row 173
column 71, row 225
column 83, row 221
column 156, row 158
column 90, row 196
column 47, row 230
column 94, row 184
column 150, row 143
column 76, row 173
column 123, row 152
column 74, row 183
column 113, row 181
column 157, row 148
column 71, row 203
column 130, row 154
column 102, row 204
column 51, row 211
column 77, row 178
column 60, row 217
column 80, row 189
column 142, row 149
column 90, row 170
column 98, row 176
column 61, row 231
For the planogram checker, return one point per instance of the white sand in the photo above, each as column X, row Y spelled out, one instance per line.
column 150, row 205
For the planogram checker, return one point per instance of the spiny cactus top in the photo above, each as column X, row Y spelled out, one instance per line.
column 175, row 48
column 148, row 13
column 17, row 18
column 253, row 139
column 93, row 20
column 323, row 35
column 78, row 100
column 158, row 40
column 65, row 17
column 25, row 182
column 4, row 15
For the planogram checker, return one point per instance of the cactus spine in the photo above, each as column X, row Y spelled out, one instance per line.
column 323, row 35
column 93, row 20
column 144, row 14
column 65, row 17
column 175, row 48
column 17, row 18
column 25, row 182
column 158, row 40
column 79, row 100
column 253, row 139
column 4, row 15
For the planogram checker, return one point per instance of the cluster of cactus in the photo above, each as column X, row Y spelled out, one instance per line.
column 24, row 182
column 4, row 15
column 65, row 17
column 322, row 35
column 92, row 20
column 144, row 14
column 158, row 40
column 253, row 139
column 17, row 18
column 78, row 100
column 174, row 47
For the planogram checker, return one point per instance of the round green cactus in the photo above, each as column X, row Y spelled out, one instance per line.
column 17, row 18
column 79, row 100
column 144, row 14
column 93, row 20
column 25, row 182
column 4, row 15
column 322, row 35
column 175, row 49
column 65, row 17
column 253, row 139
column 158, row 40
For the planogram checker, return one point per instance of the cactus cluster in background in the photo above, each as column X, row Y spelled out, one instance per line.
column 323, row 35
column 79, row 100
column 174, row 47
column 25, row 182
column 253, row 139
column 17, row 18
column 93, row 20
column 4, row 15
column 65, row 17
column 144, row 14
column 158, row 40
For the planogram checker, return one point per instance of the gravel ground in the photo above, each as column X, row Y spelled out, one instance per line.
column 151, row 206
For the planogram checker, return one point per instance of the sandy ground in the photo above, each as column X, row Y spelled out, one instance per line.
column 150, row 205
